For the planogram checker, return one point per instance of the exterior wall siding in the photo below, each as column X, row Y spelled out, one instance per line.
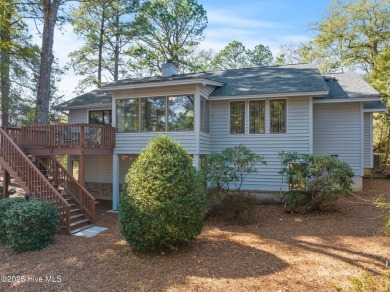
column 133, row 143
column 337, row 131
column 78, row 116
column 205, row 143
column 269, row 145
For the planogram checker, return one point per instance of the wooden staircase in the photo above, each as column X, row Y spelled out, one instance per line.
column 82, row 203
column 51, row 182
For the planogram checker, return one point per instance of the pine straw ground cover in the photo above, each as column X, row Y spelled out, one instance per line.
column 278, row 252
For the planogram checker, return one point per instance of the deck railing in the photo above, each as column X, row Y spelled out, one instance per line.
column 14, row 133
column 68, row 135
column 18, row 163
column 72, row 187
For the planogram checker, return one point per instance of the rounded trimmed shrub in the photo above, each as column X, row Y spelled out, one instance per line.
column 163, row 201
column 6, row 204
column 31, row 225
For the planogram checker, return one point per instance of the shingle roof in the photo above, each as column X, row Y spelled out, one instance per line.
column 375, row 105
column 250, row 81
column 349, row 85
column 297, row 78
column 94, row 98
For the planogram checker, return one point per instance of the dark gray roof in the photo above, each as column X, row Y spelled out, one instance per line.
column 375, row 105
column 297, row 78
column 349, row 85
column 94, row 98
column 250, row 81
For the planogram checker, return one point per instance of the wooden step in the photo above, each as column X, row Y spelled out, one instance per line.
column 76, row 218
column 79, row 224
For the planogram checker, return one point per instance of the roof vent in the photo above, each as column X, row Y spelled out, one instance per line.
column 169, row 69
column 329, row 78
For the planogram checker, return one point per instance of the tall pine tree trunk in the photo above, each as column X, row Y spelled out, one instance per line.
column 50, row 11
column 100, row 48
column 116, row 49
column 5, row 60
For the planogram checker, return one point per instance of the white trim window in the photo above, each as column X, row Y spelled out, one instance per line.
column 278, row 116
column 100, row 117
column 237, row 117
column 256, row 116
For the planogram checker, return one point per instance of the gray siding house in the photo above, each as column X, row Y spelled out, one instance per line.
column 267, row 109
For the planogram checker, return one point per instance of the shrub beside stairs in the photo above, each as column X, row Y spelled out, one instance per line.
column 44, row 178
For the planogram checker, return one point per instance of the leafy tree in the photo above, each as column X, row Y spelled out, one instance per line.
column 105, row 25
column 163, row 201
column 235, row 55
column 200, row 61
column 171, row 28
column 313, row 179
column 260, row 56
column 358, row 30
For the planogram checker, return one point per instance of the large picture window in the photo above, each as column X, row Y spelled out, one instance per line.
column 237, row 117
column 257, row 117
column 155, row 114
column 127, row 115
column 100, row 117
column 278, row 116
column 180, row 113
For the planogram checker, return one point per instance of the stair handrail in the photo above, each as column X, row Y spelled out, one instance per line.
column 86, row 201
column 9, row 147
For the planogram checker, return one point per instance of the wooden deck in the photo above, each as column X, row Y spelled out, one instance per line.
column 70, row 139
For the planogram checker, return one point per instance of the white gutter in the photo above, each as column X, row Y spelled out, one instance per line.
column 271, row 95
column 162, row 83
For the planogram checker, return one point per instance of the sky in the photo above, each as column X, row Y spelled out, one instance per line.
column 268, row 22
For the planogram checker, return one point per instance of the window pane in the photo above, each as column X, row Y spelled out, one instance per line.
column 278, row 116
column 237, row 117
column 257, row 117
column 96, row 117
column 153, row 114
column 107, row 118
column 180, row 113
column 204, row 119
column 127, row 115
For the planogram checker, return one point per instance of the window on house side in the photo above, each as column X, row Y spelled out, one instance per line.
column 180, row 113
column 100, row 117
column 237, row 117
column 153, row 114
column 257, row 117
column 127, row 115
column 278, row 113
column 205, row 116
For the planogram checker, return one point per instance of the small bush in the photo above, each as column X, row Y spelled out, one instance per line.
column 31, row 225
column 6, row 204
column 226, row 172
column 313, row 180
column 163, row 201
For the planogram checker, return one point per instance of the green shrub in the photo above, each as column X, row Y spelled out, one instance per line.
column 6, row 204
column 229, row 168
column 163, row 200
column 31, row 225
column 313, row 180
column 226, row 172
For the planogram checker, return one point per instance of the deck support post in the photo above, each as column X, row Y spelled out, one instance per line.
column 82, row 170
column 6, row 179
column 115, row 182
